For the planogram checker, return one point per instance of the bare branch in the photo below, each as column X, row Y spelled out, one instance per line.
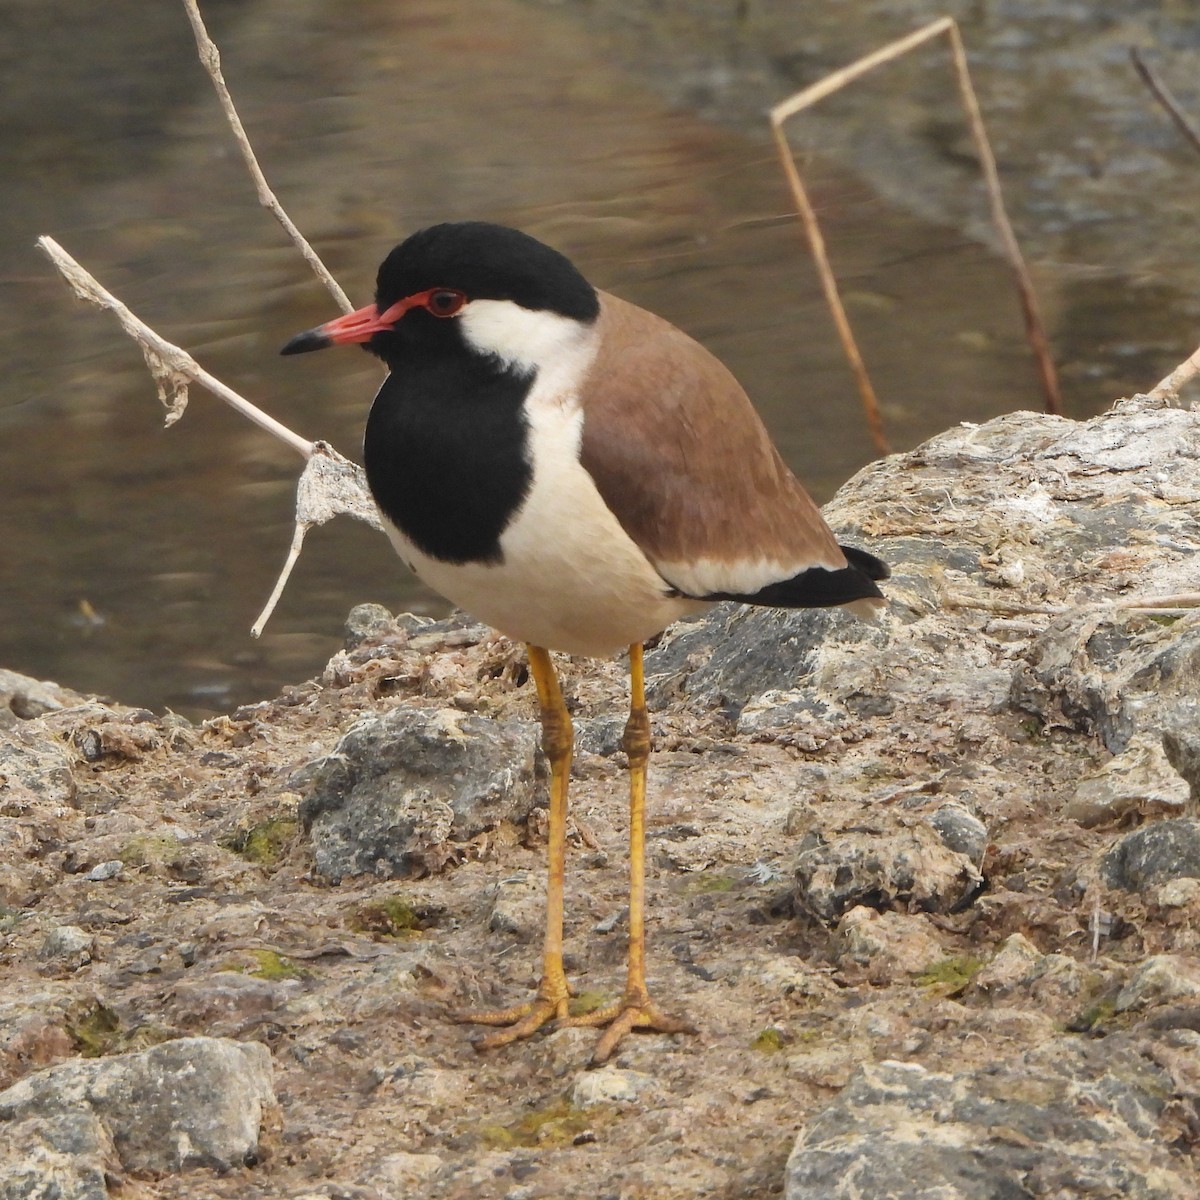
column 210, row 59
column 171, row 366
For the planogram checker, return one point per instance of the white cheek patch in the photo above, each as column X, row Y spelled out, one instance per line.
column 523, row 338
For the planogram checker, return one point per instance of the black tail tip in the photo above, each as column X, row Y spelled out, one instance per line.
column 868, row 564
column 302, row 343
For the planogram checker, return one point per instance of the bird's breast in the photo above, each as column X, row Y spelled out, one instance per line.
column 447, row 458
column 555, row 568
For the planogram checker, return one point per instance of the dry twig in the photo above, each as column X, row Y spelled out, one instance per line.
column 210, row 59
column 1034, row 327
column 172, row 367
column 1187, row 370
column 329, row 483
column 1178, row 604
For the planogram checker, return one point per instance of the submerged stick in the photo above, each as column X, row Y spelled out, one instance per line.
column 1034, row 327
column 210, row 59
column 1162, row 93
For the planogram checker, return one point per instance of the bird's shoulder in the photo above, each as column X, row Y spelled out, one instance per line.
column 681, row 456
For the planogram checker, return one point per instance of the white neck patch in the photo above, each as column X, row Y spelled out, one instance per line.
column 523, row 338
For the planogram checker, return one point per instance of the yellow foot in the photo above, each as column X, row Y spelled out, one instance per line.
column 548, row 1004
column 635, row 1011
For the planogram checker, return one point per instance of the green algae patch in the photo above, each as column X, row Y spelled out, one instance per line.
column 97, row 1031
column 558, row 1124
column 768, row 1041
column 149, row 850
column 393, row 916
column 586, row 1002
column 264, row 843
column 705, row 884
column 263, row 964
column 1094, row 1016
column 273, row 965
column 950, row 976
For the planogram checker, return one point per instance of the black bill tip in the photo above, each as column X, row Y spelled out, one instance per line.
column 310, row 339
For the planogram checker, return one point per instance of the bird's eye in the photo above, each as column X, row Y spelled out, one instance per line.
column 443, row 302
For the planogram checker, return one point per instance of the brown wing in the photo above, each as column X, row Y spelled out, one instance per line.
column 683, row 460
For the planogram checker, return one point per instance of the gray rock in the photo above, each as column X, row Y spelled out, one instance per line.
column 1181, row 742
column 1109, row 673
column 739, row 653
column 1068, row 1122
column 66, row 1157
column 367, row 622
column 889, row 945
column 1154, row 854
column 599, row 735
column 25, row 698
column 403, row 1175
column 797, row 717
column 67, row 946
column 518, row 906
column 397, row 785
column 1012, row 966
column 194, row 1102
column 229, row 1004
column 903, row 867
column 34, row 766
column 1139, row 780
column 1161, row 979
column 33, row 1030
column 961, row 830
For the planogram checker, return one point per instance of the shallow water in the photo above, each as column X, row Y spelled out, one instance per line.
column 134, row 561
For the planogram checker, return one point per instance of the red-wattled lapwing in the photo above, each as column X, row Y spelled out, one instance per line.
column 577, row 473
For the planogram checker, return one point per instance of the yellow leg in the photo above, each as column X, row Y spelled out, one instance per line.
column 635, row 1010
column 553, row 993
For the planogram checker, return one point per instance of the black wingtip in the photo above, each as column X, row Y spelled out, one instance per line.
column 302, row 343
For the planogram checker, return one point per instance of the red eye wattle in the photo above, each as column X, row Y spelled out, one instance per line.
column 445, row 302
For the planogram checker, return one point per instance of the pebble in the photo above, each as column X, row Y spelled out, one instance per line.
column 611, row 1085
column 105, row 870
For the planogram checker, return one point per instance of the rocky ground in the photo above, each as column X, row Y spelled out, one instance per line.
column 929, row 889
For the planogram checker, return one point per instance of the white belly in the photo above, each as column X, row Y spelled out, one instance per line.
column 571, row 579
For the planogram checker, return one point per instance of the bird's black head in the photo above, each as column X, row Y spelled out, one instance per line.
column 435, row 275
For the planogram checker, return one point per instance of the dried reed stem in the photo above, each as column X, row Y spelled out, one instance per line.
column 210, row 59
column 833, row 298
column 1035, row 330
column 1034, row 327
